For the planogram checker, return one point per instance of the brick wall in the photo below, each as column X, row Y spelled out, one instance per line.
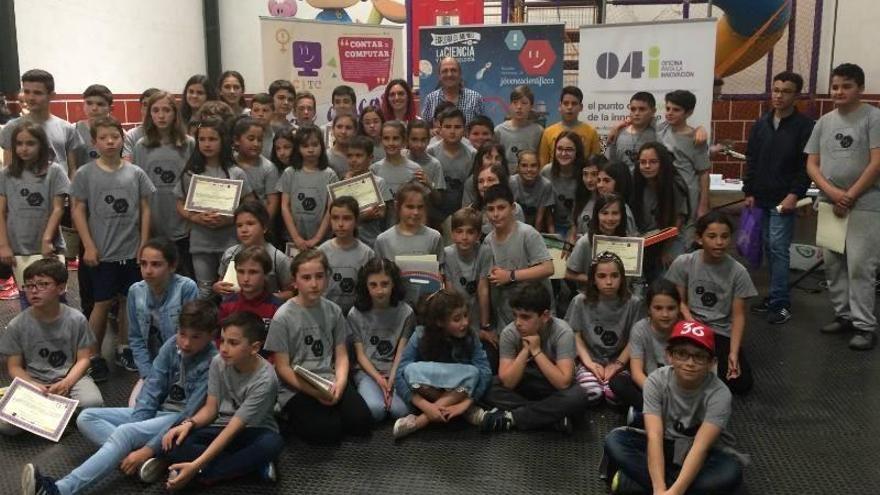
column 733, row 119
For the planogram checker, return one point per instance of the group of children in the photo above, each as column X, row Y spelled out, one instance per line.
column 328, row 342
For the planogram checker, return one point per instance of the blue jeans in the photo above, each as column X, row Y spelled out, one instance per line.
column 627, row 450
column 111, row 428
column 247, row 452
column 375, row 398
column 444, row 376
column 778, row 229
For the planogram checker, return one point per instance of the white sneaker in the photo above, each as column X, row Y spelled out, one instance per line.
column 404, row 426
column 474, row 415
column 153, row 470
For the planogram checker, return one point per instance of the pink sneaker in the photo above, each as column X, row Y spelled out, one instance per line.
column 8, row 290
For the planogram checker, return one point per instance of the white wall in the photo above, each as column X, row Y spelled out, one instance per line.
column 240, row 35
column 854, row 42
column 127, row 45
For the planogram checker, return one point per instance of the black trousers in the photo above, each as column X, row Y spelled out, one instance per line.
column 535, row 403
column 316, row 423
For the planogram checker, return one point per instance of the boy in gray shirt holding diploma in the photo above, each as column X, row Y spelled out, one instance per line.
column 49, row 343
column 685, row 446
column 234, row 433
column 844, row 162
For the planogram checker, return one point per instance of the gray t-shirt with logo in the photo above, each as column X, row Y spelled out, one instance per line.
column 648, row 345
column 29, row 203
column 531, row 197
column 456, row 169
column 691, row 160
column 114, row 208
column 85, row 150
column 309, row 336
column 395, row 175
column 516, row 139
column 604, row 325
column 393, row 243
column 308, row 197
column 465, row 274
column 711, row 287
column 523, row 248
column 844, row 144
column 344, row 266
column 433, row 170
column 557, row 341
column 684, row 411
column 263, row 178
column 627, row 145
column 380, row 330
column 563, row 190
column 249, row 397
column 48, row 349
column 164, row 166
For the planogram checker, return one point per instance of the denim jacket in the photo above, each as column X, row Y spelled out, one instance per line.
column 411, row 355
column 171, row 369
column 141, row 303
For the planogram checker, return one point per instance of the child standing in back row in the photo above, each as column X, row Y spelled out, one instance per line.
column 211, row 233
column 162, row 153
column 519, row 133
column 571, row 104
column 303, row 190
column 247, row 139
column 455, row 157
column 111, row 211
column 372, row 221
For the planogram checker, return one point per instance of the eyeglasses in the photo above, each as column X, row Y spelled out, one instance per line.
column 566, row 151
column 700, row 358
column 37, row 286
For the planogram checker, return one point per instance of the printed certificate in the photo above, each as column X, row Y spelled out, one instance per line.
column 631, row 251
column 26, row 406
column 213, row 195
column 362, row 188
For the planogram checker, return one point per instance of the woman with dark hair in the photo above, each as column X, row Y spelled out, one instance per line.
column 196, row 92
column 398, row 103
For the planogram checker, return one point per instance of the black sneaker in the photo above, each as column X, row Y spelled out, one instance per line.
column 761, row 307
column 497, row 421
column 98, row 369
column 863, row 341
column 839, row 325
column 778, row 316
column 564, row 426
column 125, row 359
column 34, row 483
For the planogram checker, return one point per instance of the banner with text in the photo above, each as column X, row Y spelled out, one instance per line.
column 318, row 56
column 618, row 60
column 496, row 59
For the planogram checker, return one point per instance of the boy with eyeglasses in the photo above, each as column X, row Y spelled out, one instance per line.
column 49, row 344
column 685, row 446
column 775, row 178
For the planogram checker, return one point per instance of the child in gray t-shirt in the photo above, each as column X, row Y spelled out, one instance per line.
column 49, row 343
column 242, row 388
column 602, row 318
column 456, row 167
column 380, row 325
column 714, row 288
column 308, row 332
column 164, row 165
column 345, row 253
column 686, row 416
column 842, row 151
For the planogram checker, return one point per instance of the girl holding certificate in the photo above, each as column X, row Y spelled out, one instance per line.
column 608, row 219
column 211, row 233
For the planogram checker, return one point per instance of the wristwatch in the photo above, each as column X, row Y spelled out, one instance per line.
column 513, row 275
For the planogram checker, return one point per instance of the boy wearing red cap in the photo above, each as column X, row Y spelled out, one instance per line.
column 685, row 446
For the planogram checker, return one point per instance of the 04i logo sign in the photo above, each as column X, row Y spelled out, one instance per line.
column 608, row 64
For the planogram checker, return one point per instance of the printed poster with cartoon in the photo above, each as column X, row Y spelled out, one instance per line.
column 496, row 59
column 318, row 56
